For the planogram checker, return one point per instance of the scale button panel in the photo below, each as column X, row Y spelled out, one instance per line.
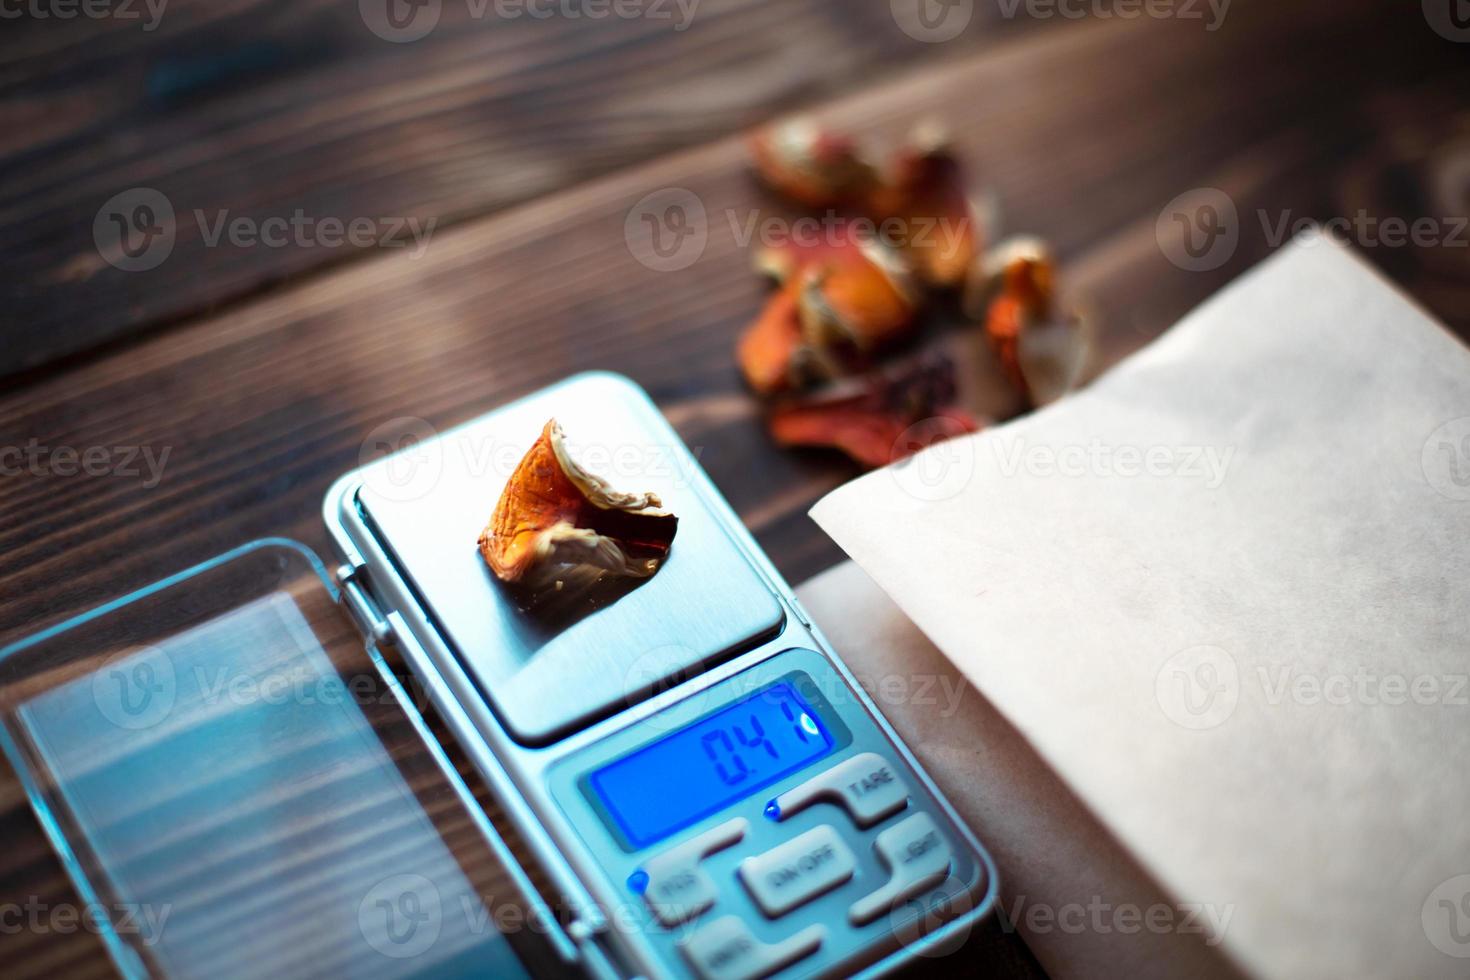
column 676, row 888
column 797, row 871
column 769, row 826
column 867, row 785
column 727, row 950
column 917, row 857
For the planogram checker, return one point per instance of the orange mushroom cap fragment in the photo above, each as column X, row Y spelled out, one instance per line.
column 555, row 520
column 840, row 301
column 926, row 192
column 860, row 296
column 810, row 165
column 1046, row 355
column 1004, row 323
column 1042, row 343
column 882, row 420
column 1021, row 268
column 769, row 351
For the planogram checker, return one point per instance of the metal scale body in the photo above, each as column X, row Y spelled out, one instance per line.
column 835, row 855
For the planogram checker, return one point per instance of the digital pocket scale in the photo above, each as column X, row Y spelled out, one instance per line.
column 699, row 786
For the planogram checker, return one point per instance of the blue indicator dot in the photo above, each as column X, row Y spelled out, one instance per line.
column 638, row 882
column 773, row 810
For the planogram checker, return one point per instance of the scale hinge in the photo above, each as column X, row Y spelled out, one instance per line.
column 360, row 604
column 581, row 941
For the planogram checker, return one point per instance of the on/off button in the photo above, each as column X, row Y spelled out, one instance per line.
column 798, row 871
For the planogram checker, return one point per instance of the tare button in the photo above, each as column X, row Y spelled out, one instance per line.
column 798, row 871
column 868, row 785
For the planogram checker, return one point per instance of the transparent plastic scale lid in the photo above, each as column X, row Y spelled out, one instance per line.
column 225, row 768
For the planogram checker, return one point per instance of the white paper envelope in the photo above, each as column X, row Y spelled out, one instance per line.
column 1224, row 593
column 1083, row 905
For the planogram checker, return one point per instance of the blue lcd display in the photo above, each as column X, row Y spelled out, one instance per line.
column 681, row 779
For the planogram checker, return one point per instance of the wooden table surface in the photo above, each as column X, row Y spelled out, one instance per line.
column 263, row 371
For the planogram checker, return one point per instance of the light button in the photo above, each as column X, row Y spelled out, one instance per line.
column 917, row 857
column 868, row 785
column 798, row 871
column 676, row 888
column 727, row 950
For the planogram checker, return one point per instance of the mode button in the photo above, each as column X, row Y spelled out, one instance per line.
column 726, row 950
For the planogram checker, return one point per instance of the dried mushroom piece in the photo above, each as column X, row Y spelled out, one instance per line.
column 1005, row 321
column 839, row 302
column 1023, row 268
column 776, row 354
column 810, row 165
column 925, row 191
column 880, row 419
column 1042, row 347
column 771, row 349
column 860, row 297
column 1053, row 354
column 555, row 522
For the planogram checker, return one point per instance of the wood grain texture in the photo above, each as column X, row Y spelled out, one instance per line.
column 259, row 409
column 1084, row 131
column 256, row 111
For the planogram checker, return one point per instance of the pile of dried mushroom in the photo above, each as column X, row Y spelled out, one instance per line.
column 899, row 239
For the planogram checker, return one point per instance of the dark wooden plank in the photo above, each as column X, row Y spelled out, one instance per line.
column 259, row 110
column 259, row 409
column 1314, row 107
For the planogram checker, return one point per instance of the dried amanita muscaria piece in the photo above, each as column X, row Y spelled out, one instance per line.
column 926, row 192
column 839, row 302
column 1023, row 268
column 1045, row 354
column 810, row 165
column 1005, row 322
column 1043, row 348
column 1052, row 355
column 882, row 420
column 771, row 352
column 859, row 296
column 556, row 521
